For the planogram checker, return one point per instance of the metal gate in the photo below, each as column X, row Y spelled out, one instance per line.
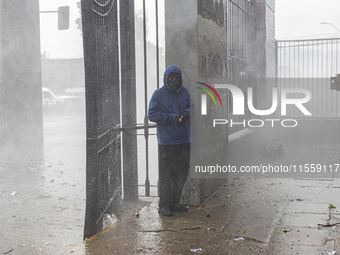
column 122, row 158
column 113, row 105
column 310, row 64
column 241, row 42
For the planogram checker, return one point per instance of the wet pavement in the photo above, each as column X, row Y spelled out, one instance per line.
column 42, row 206
column 42, row 201
column 247, row 215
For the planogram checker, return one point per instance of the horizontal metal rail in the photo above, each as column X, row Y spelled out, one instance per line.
column 134, row 128
column 304, row 40
column 123, row 129
column 240, row 59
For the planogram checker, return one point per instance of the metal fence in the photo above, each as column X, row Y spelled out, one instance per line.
column 241, row 45
column 150, row 67
column 309, row 64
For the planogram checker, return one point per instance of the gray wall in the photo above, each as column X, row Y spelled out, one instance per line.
column 192, row 33
column 20, row 73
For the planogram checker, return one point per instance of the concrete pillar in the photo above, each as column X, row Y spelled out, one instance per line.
column 195, row 40
column 20, row 76
column 265, row 36
column 266, row 51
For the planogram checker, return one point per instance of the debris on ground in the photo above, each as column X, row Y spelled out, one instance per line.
column 239, row 239
column 287, row 230
column 8, row 251
column 328, row 225
column 196, row 250
column 331, row 206
column 142, row 249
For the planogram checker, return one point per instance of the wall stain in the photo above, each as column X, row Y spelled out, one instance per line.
column 212, row 65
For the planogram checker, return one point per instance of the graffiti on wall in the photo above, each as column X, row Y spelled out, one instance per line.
column 213, row 66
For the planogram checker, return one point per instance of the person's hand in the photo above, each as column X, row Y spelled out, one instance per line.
column 179, row 119
column 185, row 115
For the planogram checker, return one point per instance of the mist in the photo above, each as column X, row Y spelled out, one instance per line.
column 43, row 131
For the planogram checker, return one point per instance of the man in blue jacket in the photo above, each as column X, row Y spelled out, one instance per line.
column 170, row 108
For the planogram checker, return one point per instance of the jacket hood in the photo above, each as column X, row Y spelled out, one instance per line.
column 170, row 69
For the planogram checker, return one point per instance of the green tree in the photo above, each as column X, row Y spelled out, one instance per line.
column 78, row 20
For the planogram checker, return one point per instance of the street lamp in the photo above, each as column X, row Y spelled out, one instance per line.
column 326, row 23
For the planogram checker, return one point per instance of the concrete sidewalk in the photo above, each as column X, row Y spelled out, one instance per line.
column 245, row 216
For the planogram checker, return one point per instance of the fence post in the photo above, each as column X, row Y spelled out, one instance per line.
column 128, row 86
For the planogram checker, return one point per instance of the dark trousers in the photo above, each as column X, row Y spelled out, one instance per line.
column 174, row 162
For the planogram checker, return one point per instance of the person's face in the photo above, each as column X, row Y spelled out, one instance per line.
column 174, row 81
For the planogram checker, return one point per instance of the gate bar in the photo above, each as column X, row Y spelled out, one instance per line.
column 146, row 122
column 128, row 87
column 157, row 44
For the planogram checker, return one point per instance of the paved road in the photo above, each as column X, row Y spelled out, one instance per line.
column 42, row 202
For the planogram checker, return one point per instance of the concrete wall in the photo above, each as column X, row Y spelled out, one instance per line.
column 194, row 34
column 20, row 73
column 266, row 47
column 196, row 41
column 266, row 54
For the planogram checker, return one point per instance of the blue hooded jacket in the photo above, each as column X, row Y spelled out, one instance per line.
column 163, row 108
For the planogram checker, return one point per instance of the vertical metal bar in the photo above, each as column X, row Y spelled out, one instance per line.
column 303, row 60
column 276, row 59
column 332, row 66
column 336, row 71
column 157, row 54
column 322, row 93
column 308, row 59
column 146, row 122
column 317, row 76
column 284, row 62
column 312, row 68
column 298, row 75
column 128, row 87
column 298, row 60
column 157, row 44
column 328, row 73
column 91, row 121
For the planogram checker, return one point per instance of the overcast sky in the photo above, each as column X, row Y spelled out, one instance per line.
column 294, row 19
column 301, row 18
column 63, row 43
